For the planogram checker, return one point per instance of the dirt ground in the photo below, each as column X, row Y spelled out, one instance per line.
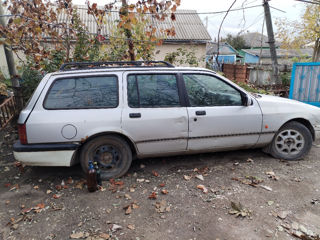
column 184, row 197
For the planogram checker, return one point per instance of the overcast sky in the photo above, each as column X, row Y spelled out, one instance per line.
column 238, row 21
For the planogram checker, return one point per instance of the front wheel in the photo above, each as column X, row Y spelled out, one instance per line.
column 112, row 154
column 291, row 142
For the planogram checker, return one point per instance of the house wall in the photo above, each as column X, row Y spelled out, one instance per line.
column 199, row 49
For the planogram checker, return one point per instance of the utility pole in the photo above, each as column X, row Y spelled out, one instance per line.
column 9, row 54
column 207, row 22
column 267, row 14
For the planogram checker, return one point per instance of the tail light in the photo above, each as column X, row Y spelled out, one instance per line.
column 22, row 133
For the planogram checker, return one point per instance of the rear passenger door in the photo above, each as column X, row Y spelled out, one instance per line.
column 154, row 116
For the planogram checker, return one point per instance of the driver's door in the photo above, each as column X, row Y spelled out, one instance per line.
column 218, row 119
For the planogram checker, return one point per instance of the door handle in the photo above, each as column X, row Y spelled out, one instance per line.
column 135, row 115
column 200, row 113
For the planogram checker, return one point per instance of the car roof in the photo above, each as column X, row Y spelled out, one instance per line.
column 128, row 69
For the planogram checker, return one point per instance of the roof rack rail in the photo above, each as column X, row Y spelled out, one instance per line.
column 96, row 65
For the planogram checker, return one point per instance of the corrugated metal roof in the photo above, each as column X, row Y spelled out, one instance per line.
column 282, row 53
column 224, row 49
column 188, row 25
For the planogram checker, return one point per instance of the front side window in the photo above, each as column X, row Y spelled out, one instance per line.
column 206, row 90
column 83, row 92
column 153, row 90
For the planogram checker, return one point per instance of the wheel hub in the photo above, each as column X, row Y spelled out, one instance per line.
column 289, row 142
column 106, row 156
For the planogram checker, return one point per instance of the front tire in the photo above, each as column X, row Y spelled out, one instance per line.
column 292, row 142
column 112, row 153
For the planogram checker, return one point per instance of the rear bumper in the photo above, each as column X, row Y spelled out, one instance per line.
column 45, row 154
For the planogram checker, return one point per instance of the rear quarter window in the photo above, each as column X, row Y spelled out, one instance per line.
column 83, row 92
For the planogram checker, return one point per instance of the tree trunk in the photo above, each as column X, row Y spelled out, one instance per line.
column 9, row 55
column 316, row 51
column 128, row 33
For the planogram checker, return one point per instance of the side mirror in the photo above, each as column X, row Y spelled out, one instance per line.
column 247, row 100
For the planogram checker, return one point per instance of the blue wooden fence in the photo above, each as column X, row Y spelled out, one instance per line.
column 305, row 83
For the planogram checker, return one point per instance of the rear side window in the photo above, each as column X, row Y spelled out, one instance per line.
column 83, row 92
column 153, row 90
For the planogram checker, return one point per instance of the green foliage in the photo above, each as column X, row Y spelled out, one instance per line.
column 285, row 78
column 182, row 56
column 251, row 89
column 302, row 58
column 237, row 42
column 29, row 80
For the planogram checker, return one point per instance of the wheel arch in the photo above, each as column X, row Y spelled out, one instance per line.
column 304, row 122
column 111, row 133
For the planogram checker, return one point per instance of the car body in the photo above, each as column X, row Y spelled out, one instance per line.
column 154, row 111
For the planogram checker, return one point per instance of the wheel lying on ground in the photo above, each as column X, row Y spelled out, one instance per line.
column 291, row 142
column 112, row 154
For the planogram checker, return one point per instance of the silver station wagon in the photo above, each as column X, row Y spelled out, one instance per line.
column 111, row 112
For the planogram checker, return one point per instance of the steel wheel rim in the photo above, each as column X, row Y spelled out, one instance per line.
column 289, row 142
column 108, row 157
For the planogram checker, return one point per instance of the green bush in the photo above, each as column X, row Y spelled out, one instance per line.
column 30, row 79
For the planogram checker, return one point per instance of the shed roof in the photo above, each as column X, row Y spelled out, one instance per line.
column 188, row 25
column 253, row 40
column 224, row 49
column 281, row 53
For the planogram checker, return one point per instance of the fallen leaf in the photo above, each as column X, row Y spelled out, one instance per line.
column 49, row 191
column 239, row 210
column 127, row 196
column 14, row 187
column 162, row 184
column 266, row 188
column 40, row 205
column 161, row 207
column 132, row 190
column 36, row 187
column 135, row 206
column 69, row 180
column 186, row 177
column 22, row 206
column 272, row 175
column 7, row 202
column 140, row 180
column 104, row 235
column 155, row 173
column 282, row 214
column 58, row 187
column 7, row 185
column 77, row 235
column 131, row 227
column 203, row 188
column 142, row 166
column 128, row 210
column 164, row 191
column 115, row 227
column 80, row 184
column 56, row 196
column 270, row 203
column 249, row 160
column 119, row 183
column 153, row 195
column 200, row 177
column 15, row 226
